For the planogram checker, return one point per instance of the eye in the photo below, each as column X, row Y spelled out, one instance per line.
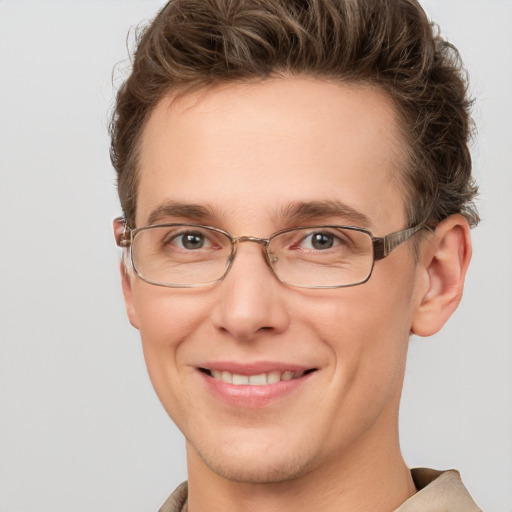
column 190, row 240
column 321, row 241
column 183, row 239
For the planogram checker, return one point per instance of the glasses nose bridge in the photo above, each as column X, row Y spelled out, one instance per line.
column 255, row 239
column 264, row 242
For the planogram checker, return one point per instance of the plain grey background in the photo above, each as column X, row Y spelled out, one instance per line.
column 80, row 427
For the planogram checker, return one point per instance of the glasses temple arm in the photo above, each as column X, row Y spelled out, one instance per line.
column 382, row 246
column 122, row 232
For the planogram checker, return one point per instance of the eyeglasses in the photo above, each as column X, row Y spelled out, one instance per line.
column 193, row 255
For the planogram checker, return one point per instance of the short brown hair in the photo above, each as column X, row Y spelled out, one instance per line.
column 385, row 43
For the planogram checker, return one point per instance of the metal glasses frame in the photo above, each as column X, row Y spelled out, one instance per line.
column 382, row 247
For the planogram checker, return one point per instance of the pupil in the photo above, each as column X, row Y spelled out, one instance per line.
column 322, row 241
column 193, row 241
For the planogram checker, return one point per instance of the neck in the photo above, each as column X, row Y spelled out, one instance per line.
column 372, row 476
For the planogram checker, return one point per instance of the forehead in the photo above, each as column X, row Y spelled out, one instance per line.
column 249, row 150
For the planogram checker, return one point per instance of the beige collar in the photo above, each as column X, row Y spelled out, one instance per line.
column 438, row 491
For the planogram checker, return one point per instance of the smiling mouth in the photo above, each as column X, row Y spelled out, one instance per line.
column 260, row 379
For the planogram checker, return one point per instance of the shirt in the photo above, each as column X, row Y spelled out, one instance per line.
column 438, row 491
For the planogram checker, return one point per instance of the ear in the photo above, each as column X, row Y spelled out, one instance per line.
column 126, row 274
column 444, row 260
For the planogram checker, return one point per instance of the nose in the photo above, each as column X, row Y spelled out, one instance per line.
column 252, row 301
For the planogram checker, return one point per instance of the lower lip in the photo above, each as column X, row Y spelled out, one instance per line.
column 252, row 396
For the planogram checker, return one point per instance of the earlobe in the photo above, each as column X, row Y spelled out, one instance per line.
column 444, row 259
column 119, row 227
column 128, row 295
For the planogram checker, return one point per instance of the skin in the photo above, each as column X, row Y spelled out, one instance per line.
column 246, row 152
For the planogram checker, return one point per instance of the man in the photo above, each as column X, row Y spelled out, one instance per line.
column 297, row 198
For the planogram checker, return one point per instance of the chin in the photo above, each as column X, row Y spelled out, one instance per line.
column 262, row 467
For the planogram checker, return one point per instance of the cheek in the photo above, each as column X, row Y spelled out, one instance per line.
column 366, row 329
column 372, row 312
column 166, row 318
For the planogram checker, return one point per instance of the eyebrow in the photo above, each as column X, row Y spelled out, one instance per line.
column 300, row 211
column 189, row 211
column 294, row 213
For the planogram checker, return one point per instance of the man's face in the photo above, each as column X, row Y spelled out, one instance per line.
column 247, row 154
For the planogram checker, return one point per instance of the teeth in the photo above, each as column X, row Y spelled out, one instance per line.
column 227, row 377
column 273, row 377
column 224, row 376
column 240, row 380
column 255, row 380
column 258, row 380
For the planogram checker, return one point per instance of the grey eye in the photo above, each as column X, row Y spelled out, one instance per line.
column 321, row 241
column 192, row 240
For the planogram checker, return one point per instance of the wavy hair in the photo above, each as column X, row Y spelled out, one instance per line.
column 389, row 44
